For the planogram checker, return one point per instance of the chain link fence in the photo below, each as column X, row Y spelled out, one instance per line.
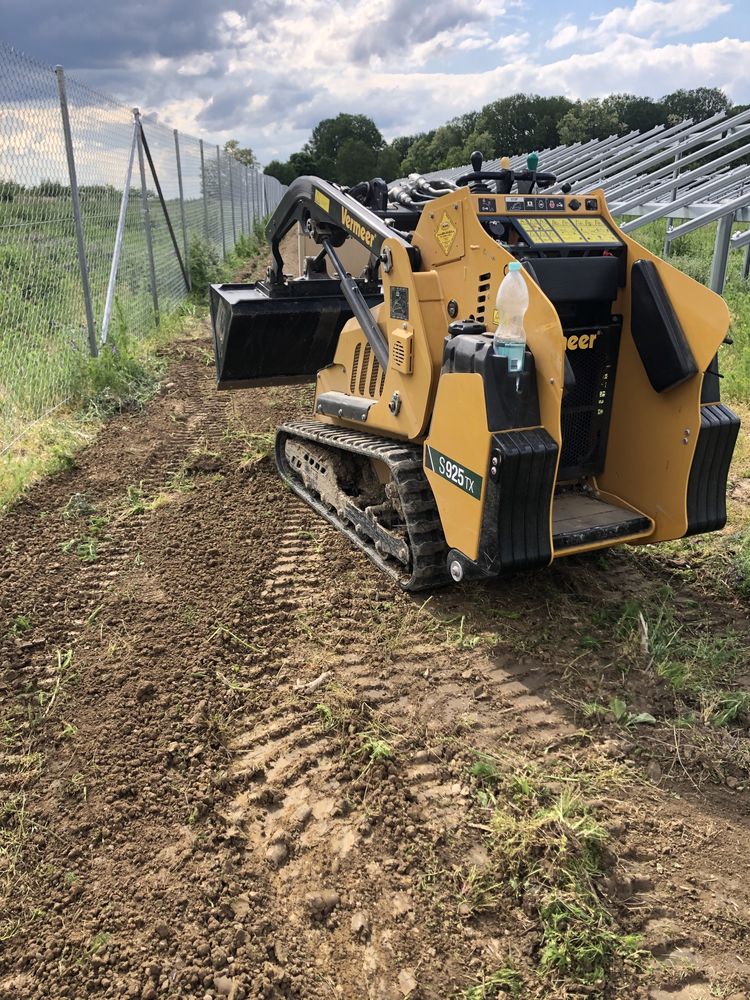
column 98, row 213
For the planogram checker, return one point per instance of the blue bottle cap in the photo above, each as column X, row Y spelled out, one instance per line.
column 514, row 266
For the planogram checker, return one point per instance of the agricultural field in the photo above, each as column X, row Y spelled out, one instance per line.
column 237, row 762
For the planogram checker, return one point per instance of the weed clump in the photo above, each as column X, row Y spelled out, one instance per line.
column 550, row 854
column 500, row 983
column 205, row 266
column 121, row 378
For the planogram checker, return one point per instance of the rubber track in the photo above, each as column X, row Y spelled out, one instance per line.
column 427, row 546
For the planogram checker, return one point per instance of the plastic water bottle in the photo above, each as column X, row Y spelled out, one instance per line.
column 512, row 302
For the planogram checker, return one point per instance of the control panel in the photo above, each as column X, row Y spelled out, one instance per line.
column 547, row 222
column 517, row 203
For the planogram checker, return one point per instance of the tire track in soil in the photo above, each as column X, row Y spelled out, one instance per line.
column 279, row 812
column 500, row 700
column 295, row 803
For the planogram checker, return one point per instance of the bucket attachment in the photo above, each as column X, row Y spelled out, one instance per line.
column 278, row 339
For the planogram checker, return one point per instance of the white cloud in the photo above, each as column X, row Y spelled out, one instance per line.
column 269, row 73
column 564, row 35
column 197, row 65
column 512, row 43
column 649, row 18
column 663, row 17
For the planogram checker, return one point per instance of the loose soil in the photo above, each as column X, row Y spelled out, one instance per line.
column 236, row 759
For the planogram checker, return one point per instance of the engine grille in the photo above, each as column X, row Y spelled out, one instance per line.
column 366, row 377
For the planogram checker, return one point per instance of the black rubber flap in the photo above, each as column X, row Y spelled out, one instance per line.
column 707, row 486
column 657, row 333
column 275, row 341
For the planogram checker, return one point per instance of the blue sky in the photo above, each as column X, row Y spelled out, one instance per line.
column 266, row 71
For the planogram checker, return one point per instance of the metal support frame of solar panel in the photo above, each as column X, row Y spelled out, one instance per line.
column 688, row 143
column 659, row 174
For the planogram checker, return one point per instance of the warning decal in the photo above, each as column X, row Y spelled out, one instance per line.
column 596, row 230
column 445, row 233
column 323, row 200
column 543, row 230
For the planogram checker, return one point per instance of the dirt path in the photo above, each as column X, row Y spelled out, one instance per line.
column 237, row 763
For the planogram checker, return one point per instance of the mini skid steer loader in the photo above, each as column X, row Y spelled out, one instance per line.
column 422, row 447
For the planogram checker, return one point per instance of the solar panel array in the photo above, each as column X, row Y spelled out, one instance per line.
column 692, row 174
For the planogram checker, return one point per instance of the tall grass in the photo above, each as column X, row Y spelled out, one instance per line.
column 123, row 376
column 693, row 255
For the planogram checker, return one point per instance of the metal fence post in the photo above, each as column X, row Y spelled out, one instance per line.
column 221, row 203
column 243, row 200
column 230, row 161
column 77, row 219
column 119, row 234
column 185, row 242
column 746, row 265
column 205, row 195
column 247, row 200
column 721, row 253
column 147, row 218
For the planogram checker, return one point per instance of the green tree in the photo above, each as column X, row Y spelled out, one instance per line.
column 9, row 190
column 281, row 171
column 389, row 164
column 420, row 158
column 702, row 102
column 402, row 144
column 482, row 141
column 588, row 120
column 444, row 140
column 244, row 154
column 303, row 163
column 635, row 112
column 355, row 161
column 521, row 123
column 329, row 136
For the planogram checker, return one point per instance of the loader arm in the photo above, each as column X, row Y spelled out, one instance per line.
column 327, row 213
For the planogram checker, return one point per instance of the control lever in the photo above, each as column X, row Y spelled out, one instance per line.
column 503, row 178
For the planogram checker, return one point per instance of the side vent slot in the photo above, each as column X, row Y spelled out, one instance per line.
column 374, row 377
column 364, row 369
column 355, row 366
column 484, row 287
column 382, row 382
column 402, row 349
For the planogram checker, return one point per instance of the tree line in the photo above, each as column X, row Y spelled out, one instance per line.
column 350, row 148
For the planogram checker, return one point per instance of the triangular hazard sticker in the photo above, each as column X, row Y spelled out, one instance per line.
column 445, row 233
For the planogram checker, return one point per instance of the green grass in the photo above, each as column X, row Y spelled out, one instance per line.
column 700, row 665
column 741, row 562
column 256, row 446
column 44, row 356
column 549, row 853
column 693, row 254
column 500, row 983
